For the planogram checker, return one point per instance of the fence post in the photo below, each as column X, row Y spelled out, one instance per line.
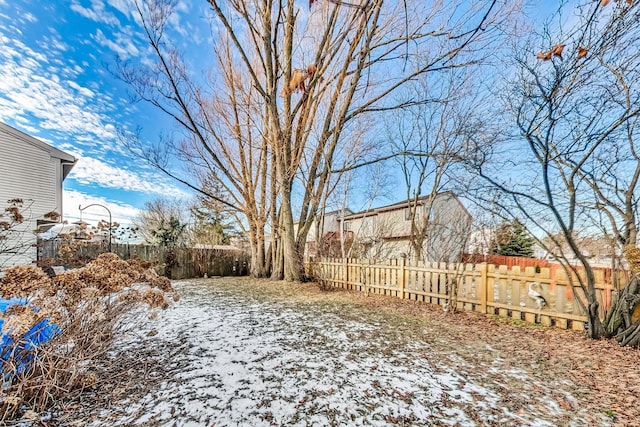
column 482, row 288
column 401, row 279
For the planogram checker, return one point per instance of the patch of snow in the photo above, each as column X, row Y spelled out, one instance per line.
column 237, row 361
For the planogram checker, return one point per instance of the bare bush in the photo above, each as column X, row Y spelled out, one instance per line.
column 89, row 308
column 323, row 284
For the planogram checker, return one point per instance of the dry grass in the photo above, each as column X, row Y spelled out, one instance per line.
column 604, row 376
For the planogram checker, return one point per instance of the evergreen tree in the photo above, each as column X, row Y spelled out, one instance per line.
column 169, row 233
column 209, row 227
column 162, row 222
column 512, row 239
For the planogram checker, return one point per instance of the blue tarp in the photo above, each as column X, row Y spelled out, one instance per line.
column 21, row 353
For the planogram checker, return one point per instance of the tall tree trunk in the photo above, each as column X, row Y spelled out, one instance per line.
column 262, row 270
column 293, row 263
column 258, row 260
column 596, row 328
column 277, row 257
column 277, row 254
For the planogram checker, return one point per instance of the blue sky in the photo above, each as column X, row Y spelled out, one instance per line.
column 55, row 85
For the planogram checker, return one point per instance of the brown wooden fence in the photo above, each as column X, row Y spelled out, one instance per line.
column 482, row 287
column 509, row 261
column 522, row 262
column 191, row 262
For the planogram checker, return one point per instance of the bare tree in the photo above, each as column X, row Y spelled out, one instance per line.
column 434, row 139
column 291, row 89
column 15, row 228
column 575, row 106
column 157, row 214
column 210, row 224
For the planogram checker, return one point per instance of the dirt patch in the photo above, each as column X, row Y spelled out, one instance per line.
column 238, row 351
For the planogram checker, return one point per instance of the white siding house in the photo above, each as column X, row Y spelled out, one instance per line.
column 443, row 223
column 33, row 171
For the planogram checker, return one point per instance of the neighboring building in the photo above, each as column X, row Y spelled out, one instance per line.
column 480, row 241
column 32, row 171
column 600, row 251
column 324, row 234
column 385, row 232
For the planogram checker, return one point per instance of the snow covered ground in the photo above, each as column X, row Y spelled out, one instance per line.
column 237, row 357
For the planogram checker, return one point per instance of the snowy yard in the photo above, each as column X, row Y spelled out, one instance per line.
column 236, row 352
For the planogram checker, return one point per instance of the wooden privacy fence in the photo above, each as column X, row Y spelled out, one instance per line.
column 191, row 262
column 484, row 288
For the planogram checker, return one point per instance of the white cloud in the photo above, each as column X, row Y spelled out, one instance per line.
column 96, row 12
column 49, row 91
column 174, row 20
column 122, row 45
column 54, row 43
column 121, row 212
column 30, row 17
column 30, row 86
column 87, row 93
column 41, row 96
column 90, row 171
column 124, row 6
column 68, row 148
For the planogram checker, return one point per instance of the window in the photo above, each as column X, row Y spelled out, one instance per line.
column 346, row 226
column 432, row 212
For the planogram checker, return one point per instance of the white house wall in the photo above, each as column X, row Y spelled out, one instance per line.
column 448, row 233
column 27, row 172
column 331, row 224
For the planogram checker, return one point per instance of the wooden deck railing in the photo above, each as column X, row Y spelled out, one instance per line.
column 482, row 287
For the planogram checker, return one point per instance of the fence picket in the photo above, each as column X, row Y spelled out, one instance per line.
column 516, row 284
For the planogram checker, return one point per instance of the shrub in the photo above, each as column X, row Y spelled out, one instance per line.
column 90, row 307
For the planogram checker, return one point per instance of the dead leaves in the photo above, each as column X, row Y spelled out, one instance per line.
column 582, row 52
column 545, row 56
column 155, row 298
column 86, row 305
column 554, row 51
column 632, row 253
column 19, row 319
column 24, row 281
column 604, row 3
column 107, row 274
column 53, row 216
column 557, row 51
column 14, row 211
column 296, row 82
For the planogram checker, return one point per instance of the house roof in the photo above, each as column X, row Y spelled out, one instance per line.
column 68, row 160
column 337, row 212
column 401, row 205
column 345, row 211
